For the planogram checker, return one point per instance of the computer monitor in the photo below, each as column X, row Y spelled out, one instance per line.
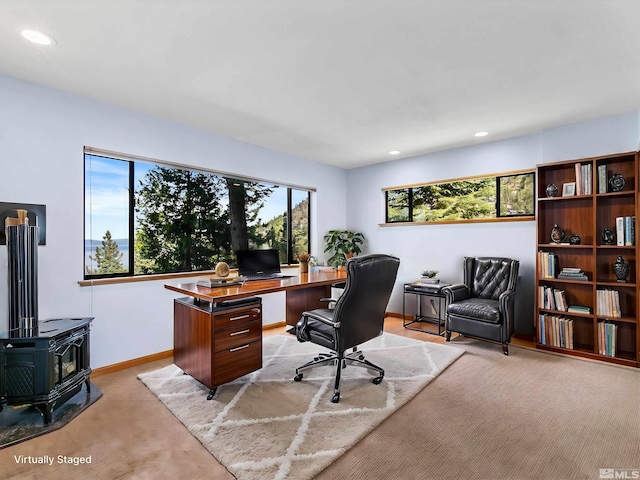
column 252, row 262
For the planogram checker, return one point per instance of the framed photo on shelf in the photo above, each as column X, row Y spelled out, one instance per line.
column 569, row 189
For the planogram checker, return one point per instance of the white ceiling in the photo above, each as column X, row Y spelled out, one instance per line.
column 339, row 82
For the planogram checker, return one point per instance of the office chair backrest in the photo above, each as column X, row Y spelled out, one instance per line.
column 362, row 306
column 487, row 277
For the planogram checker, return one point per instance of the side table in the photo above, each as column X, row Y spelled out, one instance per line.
column 436, row 306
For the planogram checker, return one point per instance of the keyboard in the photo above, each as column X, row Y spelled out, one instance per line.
column 265, row 276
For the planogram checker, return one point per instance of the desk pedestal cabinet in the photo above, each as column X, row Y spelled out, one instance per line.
column 217, row 344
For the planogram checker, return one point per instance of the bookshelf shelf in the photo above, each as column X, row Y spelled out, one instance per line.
column 608, row 338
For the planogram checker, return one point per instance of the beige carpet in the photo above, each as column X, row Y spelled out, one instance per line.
column 265, row 425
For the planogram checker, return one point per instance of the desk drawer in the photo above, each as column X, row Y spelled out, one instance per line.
column 237, row 317
column 236, row 336
column 235, row 362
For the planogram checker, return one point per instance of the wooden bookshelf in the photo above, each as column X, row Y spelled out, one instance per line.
column 587, row 214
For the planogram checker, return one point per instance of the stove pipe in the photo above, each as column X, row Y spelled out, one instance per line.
column 22, row 245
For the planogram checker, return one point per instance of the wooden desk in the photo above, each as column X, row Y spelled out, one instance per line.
column 302, row 292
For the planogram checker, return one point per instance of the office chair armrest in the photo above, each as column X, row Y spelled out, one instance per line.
column 455, row 293
column 322, row 315
column 329, row 300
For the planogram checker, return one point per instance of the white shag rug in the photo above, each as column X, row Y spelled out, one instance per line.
column 266, row 426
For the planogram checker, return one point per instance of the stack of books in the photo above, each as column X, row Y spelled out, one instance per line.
column 571, row 273
column 214, row 282
column 578, row 309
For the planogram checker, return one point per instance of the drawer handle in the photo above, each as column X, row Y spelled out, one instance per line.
column 256, row 310
column 239, row 348
column 239, row 318
column 238, row 333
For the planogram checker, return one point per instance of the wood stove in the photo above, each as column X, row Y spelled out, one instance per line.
column 46, row 369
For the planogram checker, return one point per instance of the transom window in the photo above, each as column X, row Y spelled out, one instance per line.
column 497, row 197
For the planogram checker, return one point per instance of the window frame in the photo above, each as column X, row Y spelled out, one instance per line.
column 497, row 218
column 89, row 279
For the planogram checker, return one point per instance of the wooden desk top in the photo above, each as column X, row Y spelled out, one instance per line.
column 259, row 287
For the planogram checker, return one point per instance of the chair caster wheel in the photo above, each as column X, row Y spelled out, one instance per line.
column 298, row 377
column 361, row 357
column 335, row 398
column 377, row 380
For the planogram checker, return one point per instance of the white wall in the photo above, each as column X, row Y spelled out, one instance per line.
column 442, row 247
column 42, row 135
column 43, row 132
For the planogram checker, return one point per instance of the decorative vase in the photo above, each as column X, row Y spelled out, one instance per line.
column 552, row 190
column 616, row 182
column 607, row 237
column 304, row 267
column 621, row 270
column 557, row 234
column 574, row 239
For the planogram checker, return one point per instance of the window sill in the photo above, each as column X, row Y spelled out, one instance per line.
column 528, row 218
column 157, row 276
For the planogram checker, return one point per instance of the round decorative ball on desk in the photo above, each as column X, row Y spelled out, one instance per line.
column 621, row 270
column 222, row 269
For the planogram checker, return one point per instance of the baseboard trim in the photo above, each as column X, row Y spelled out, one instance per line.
column 398, row 315
column 116, row 367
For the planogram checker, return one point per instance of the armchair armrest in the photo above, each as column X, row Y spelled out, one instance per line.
column 456, row 293
column 321, row 315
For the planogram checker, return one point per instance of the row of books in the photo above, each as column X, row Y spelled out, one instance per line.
column 547, row 264
column 584, row 178
column 608, row 303
column 551, row 298
column 607, row 333
column 625, row 231
column 554, row 299
column 555, row 331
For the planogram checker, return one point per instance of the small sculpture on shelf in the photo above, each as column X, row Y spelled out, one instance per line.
column 574, row 239
column 557, row 234
column 616, row 182
column 607, row 237
column 552, row 190
column 621, row 270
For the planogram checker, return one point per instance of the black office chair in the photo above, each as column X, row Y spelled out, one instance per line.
column 484, row 306
column 358, row 316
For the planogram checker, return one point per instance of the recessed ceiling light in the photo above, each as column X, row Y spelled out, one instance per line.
column 394, row 152
column 481, row 134
column 38, row 38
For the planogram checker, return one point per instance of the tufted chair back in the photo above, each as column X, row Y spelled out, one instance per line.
column 487, row 277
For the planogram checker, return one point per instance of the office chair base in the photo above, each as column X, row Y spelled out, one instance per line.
column 355, row 358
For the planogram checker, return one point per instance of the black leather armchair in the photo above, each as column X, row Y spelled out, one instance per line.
column 483, row 307
column 358, row 316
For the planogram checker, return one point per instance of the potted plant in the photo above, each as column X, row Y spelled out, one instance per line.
column 430, row 276
column 344, row 244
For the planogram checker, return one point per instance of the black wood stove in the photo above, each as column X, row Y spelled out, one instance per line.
column 42, row 363
column 47, row 369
